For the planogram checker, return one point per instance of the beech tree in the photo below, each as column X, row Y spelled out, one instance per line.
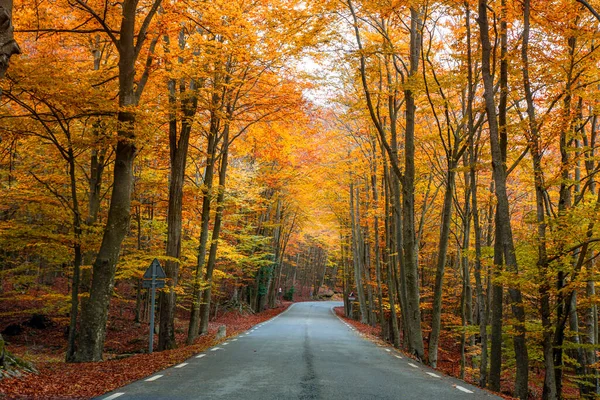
column 129, row 45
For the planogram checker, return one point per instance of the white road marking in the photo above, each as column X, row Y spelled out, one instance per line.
column 216, row 348
column 413, row 365
column 434, row 375
column 234, row 340
column 200, row 355
column 388, row 350
column 114, row 396
column 462, row 389
column 398, row 357
column 155, row 377
column 181, row 365
column 224, row 344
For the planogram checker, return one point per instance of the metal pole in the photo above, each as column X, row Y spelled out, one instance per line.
column 152, row 291
column 152, row 301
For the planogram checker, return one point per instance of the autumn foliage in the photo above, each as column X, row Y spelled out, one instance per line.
column 434, row 161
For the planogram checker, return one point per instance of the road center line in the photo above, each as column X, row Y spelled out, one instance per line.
column 216, row 348
column 181, row 365
column 114, row 396
column 462, row 389
column 200, row 355
column 413, row 365
column 434, row 375
column 155, row 377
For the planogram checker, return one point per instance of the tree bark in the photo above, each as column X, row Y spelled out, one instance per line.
column 356, row 253
column 178, row 156
column 207, row 187
column 412, row 317
column 95, row 312
column 503, row 210
column 549, row 391
column 441, row 263
column 8, row 45
column 212, row 255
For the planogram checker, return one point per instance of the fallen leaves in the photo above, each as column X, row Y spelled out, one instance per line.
column 59, row 380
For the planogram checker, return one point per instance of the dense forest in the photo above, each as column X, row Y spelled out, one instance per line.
column 433, row 163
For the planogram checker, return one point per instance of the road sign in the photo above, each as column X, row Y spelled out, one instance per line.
column 156, row 270
column 154, row 277
column 147, row 283
column 351, row 298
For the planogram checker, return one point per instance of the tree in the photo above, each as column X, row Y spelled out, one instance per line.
column 129, row 45
column 8, row 45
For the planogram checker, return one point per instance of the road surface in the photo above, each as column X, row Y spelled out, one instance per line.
column 305, row 353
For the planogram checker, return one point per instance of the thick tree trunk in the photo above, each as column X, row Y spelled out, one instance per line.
column 95, row 312
column 412, row 316
column 8, row 45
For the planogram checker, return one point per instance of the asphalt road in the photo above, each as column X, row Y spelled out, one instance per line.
column 305, row 353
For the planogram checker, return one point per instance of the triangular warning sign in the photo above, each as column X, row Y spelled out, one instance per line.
column 158, row 271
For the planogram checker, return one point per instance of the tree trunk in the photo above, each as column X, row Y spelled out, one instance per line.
column 441, row 263
column 8, row 45
column 178, row 156
column 356, row 254
column 95, row 312
column 412, row 316
column 207, row 187
column 70, row 354
column 549, row 391
column 212, row 256
column 503, row 210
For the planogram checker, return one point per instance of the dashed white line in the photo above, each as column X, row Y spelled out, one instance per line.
column 216, row 348
column 234, row 340
column 155, row 377
column 398, row 357
column 462, row 389
column 224, row 344
column 434, row 375
column 388, row 350
column 200, row 355
column 413, row 365
column 181, row 365
column 114, row 396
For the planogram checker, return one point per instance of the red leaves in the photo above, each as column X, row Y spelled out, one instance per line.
column 58, row 380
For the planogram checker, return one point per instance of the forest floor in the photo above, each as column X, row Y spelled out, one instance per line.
column 125, row 355
column 448, row 353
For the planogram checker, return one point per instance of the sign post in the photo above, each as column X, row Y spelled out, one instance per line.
column 154, row 277
column 351, row 300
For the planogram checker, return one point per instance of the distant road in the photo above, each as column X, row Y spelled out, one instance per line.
column 304, row 353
